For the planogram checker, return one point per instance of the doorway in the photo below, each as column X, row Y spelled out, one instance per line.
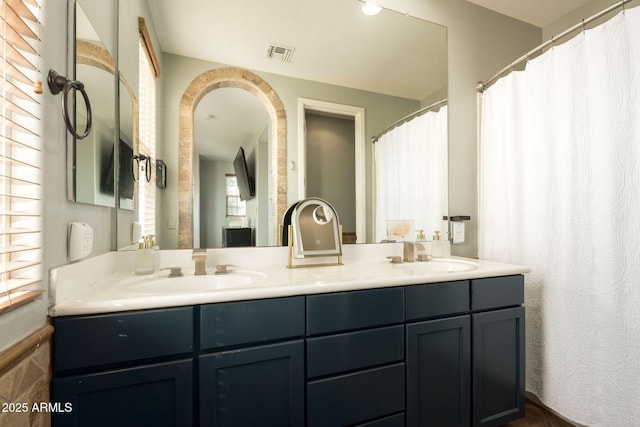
column 318, row 178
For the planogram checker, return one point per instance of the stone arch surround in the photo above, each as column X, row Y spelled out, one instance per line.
column 201, row 86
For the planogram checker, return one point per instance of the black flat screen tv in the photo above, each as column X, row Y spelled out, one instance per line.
column 125, row 175
column 244, row 179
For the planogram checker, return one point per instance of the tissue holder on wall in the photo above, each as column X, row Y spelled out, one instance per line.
column 457, row 228
column 161, row 174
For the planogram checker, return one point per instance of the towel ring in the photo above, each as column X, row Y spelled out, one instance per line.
column 135, row 170
column 57, row 84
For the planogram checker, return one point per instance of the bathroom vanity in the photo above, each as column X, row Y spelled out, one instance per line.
column 406, row 348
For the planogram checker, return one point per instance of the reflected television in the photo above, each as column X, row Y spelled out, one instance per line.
column 125, row 174
column 245, row 180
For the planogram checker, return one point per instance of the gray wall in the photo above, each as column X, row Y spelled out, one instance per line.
column 331, row 164
column 213, row 201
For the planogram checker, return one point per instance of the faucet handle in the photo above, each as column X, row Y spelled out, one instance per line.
column 395, row 259
column 173, row 271
column 224, row 268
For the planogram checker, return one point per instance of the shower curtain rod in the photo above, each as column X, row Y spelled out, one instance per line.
column 409, row 117
column 482, row 86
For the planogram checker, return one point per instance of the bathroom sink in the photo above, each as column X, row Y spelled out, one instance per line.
column 438, row 265
column 192, row 284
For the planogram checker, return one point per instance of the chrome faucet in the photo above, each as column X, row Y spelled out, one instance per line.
column 200, row 258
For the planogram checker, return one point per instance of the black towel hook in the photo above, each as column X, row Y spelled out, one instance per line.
column 57, row 84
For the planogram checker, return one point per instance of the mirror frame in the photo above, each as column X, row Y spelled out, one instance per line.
column 201, row 86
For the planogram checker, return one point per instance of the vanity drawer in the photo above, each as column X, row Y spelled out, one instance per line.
column 437, row 299
column 354, row 350
column 246, row 322
column 346, row 311
column 496, row 292
column 356, row 398
column 97, row 340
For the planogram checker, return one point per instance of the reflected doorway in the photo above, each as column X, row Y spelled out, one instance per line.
column 326, row 167
column 330, row 165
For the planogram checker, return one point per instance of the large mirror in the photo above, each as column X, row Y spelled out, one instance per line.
column 278, row 91
column 91, row 166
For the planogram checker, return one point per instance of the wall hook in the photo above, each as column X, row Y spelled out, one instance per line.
column 57, row 84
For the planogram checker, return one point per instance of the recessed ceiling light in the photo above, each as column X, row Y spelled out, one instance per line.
column 369, row 8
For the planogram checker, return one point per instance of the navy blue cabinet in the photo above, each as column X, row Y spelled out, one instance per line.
column 355, row 358
column 155, row 395
column 255, row 386
column 438, row 372
column 466, row 366
column 498, row 366
column 256, row 375
column 124, row 369
column 440, row 354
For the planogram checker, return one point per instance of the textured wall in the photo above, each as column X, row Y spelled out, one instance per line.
column 25, row 380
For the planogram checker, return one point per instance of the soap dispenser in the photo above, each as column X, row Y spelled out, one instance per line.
column 440, row 248
column 145, row 257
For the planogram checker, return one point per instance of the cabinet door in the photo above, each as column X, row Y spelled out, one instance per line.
column 149, row 395
column 438, row 377
column 256, row 386
column 498, row 366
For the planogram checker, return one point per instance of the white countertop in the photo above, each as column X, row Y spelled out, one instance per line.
column 104, row 284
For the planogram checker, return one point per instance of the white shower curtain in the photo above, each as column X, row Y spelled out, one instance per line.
column 411, row 174
column 560, row 192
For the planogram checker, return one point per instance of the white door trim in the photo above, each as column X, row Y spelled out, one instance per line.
column 345, row 110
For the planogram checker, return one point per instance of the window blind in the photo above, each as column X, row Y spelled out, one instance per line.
column 20, row 154
column 147, row 133
column 235, row 206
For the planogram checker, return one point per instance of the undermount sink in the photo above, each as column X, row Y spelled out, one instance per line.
column 438, row 265
column 192, row 284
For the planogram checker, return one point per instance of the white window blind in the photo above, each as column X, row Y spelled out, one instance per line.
column 235, row 206
column 20, row 156
column 147, row 134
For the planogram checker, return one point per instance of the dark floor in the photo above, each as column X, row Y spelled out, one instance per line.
column 537, row 416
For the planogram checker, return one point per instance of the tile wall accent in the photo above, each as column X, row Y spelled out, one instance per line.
column 25, row 380
column 199, row 87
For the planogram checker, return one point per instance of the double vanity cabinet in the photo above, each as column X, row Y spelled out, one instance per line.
column 437, row 354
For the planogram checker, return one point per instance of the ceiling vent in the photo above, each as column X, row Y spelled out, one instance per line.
column 285, row 53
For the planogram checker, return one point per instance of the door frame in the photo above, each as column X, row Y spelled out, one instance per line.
column 306, row 104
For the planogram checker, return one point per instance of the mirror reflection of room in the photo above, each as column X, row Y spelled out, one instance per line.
column 92, row 180
column 365, row 84
column 231, row 148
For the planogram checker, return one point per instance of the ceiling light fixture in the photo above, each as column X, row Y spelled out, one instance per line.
column 370, row 9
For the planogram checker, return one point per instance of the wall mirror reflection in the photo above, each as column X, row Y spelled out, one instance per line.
column 91, row 165
column 386, row 66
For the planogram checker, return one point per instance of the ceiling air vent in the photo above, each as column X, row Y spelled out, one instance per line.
column 285, row 53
